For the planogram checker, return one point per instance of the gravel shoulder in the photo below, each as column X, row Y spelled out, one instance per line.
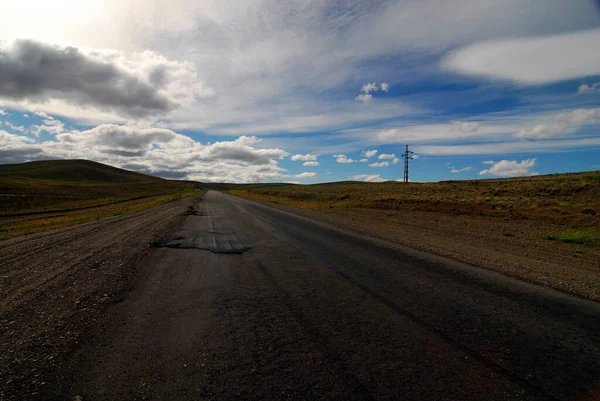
column 512, row 247
column 54, row 285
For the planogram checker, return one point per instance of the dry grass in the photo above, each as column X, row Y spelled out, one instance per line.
column 66, row 185
column 571, row 200
column 19, row 227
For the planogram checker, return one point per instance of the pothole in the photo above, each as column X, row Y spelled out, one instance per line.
column 226, row 243
column 192, row 211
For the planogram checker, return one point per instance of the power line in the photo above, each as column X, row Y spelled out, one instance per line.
column 408, row 155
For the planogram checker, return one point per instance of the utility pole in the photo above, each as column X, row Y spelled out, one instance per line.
column 407, row 156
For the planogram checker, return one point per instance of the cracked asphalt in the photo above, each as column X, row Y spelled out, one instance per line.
column 244, row 301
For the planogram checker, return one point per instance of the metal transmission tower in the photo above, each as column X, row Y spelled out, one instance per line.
column 407, row 156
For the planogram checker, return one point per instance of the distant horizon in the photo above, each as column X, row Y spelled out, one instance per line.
column 299, row 183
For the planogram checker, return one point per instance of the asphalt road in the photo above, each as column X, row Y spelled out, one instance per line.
column 244, row 301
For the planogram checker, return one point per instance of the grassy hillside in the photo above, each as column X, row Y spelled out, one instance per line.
column 62, row 185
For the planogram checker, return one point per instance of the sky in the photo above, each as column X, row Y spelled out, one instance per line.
column 303, row 91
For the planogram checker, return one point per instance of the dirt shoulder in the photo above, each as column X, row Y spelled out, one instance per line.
column 54, row 285
column 513, row 247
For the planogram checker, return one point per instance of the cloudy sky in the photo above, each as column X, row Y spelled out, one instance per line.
column 301, row 90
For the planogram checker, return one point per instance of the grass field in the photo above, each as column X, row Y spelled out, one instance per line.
column 571, row 201
column 43, row 195
column 65, row 185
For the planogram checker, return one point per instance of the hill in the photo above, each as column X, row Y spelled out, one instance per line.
column 62, row 185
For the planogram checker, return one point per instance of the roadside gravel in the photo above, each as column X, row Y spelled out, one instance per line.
column 56, row 284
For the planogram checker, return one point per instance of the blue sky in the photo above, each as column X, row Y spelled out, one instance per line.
column 304, row 91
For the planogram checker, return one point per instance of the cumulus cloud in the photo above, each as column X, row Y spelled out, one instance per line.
column 310, row 164
column 369, row 87
column 380, row 164
column 343, row 159
column 368, row 178
column 396, row 160
column 154, row 151
column 386, row 156
column 488, row 162
column 306, row 157
column 2, row 112
column 364, row 160
column 306, row 175
column 370, row 153
column 583, row 88
column 507, row 168
column 144, row 85
column 364, row 98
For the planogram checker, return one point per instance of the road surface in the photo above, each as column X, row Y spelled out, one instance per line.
column 244, row 301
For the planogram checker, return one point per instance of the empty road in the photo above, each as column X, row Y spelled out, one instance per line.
column 244, row 301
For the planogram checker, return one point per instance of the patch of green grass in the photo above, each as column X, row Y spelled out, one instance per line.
column 508, row 234
column 574, row 237
column 275, row 201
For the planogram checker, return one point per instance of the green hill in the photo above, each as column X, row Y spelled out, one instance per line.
column 59, row 185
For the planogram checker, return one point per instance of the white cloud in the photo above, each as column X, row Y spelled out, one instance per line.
column 502, row 148
column 154, row 151
column 531, row 60
column 49, row 125
column 396, row 160
column 465, row 126
column 385, row 156
column 310, row 164
column 442, row 132
column 343, row 159
column 456, row 171
column 488, row 162
column 26, row 115
column 506, row 168
column 541, row 131
column 13, row 127
column 369, row 87
column 385, row 87
column 563, row 123
column 580, row 116
column 2, row 112
column 364, row 160
column 415, row 157
column 380, row 164
column 306, row 175
column 370, row 153
column 306, row 157
column 368, row 178
column 364, row 98
column 583, row 88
